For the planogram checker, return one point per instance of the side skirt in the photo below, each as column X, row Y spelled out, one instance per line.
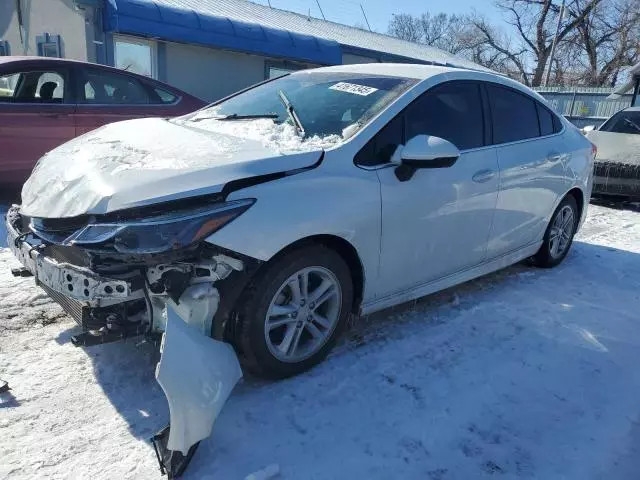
column 450, row 281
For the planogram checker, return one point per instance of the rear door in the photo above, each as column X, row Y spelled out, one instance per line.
column 36, row 115
column 105, row 96
column 531, row 157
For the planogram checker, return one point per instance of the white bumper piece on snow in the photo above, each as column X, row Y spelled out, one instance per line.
column 197, row 375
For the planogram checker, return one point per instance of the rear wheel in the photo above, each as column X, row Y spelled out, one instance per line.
column 559, row 235
column 292, row 313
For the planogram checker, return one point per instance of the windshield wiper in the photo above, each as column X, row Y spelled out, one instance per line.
column 235, row 116
column 291, row 111
column 632, row 123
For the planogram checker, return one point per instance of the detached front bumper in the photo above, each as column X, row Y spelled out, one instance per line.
column 77, row 289
column 197, row 373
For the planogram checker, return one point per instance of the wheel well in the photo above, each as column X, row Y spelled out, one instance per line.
column 577, row 194
column 348, row 254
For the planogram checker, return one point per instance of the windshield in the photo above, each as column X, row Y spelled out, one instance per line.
column 320, row 108
column 623, row 122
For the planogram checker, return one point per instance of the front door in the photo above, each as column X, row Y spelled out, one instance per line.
column 36, row 115
column 438, row 222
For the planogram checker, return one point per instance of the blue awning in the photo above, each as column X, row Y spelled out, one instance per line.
column 152, row 19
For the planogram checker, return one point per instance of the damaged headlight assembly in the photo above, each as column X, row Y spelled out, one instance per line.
column 161, row 233
column 197, row 373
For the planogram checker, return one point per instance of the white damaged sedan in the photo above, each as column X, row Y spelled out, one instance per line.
column 265, row 220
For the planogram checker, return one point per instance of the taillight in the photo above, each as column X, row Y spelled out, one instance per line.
column 594, row 150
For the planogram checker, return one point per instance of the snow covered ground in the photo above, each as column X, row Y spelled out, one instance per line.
column 523, row 374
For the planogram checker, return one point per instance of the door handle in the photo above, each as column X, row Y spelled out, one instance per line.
column 483, row 176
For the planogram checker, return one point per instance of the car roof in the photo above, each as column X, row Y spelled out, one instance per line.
column 423, row 72
column 407, row 70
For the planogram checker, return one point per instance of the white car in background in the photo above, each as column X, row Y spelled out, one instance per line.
column 266, row 219
column 617, row 166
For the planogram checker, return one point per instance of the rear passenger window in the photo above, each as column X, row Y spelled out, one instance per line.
column 546, row 120
column 452, row 111
column 514, row 115
column 165, row 97
column 107, row 88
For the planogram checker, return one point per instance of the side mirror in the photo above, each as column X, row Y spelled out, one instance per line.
column 588, row 128
column 425, row 151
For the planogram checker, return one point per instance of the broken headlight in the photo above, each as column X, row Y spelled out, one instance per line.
column 161, row 233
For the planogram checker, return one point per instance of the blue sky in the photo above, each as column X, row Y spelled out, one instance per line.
column 380, row 11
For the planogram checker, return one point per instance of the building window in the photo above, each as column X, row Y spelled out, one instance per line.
column 278, row 69
column 49, row 45
column 135, row 55
column 4, row 48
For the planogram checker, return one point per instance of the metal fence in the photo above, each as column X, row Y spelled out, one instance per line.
column 584, row 105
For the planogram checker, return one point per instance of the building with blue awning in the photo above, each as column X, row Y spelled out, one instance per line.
column 209, row 48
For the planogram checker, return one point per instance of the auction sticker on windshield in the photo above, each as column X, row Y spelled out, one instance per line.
column 353, row 88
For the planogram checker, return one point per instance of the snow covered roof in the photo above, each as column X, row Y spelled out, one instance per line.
column 275, row 20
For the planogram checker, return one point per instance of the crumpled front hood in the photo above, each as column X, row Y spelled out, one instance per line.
column 142, row 162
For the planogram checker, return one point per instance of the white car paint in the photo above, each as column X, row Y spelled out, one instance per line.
column 618, row 158
column 616, row 147
column 337, row 185
column 444, row 226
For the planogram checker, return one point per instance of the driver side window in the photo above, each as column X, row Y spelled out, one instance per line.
column 452, row 111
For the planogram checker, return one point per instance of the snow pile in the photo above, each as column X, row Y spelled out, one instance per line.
column 526, row 374
column 280, row 137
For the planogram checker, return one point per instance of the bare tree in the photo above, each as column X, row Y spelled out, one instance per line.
column 534, row 22
column 406, row 27
column 452, row 33
column 607, row 41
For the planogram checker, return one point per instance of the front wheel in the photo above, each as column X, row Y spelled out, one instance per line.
column 292, row 313
column 559, row 235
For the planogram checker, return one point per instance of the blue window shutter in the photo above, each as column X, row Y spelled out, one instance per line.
column 40, row 41
column 53, row 44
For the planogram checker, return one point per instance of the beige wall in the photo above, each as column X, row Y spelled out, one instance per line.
column 57, row 17
column 211, row 74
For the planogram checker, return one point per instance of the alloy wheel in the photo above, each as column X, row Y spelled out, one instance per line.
column 561, row 231
column 303, row 314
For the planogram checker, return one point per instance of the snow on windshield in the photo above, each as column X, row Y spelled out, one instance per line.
column 281, row 137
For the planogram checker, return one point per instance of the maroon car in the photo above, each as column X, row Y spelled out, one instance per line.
column 45, row 102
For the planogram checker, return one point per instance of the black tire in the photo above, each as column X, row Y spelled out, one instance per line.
column 253, row 306
column 544, row 257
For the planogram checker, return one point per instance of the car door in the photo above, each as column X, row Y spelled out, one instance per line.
column 437, row 222
column 531, row 160
column 36, row 115
column 105, row 96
